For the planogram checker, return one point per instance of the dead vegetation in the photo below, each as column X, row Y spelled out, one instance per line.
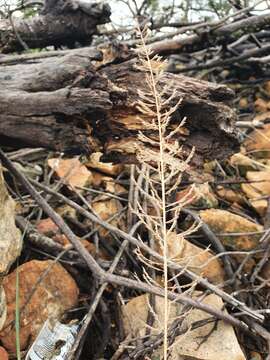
column 152, row 241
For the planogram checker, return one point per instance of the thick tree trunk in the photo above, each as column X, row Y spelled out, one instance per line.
column 67, row 23
column 75, row 103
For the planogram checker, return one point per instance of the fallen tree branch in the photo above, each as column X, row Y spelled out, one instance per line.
column 98, row 296
column 69, row 104
column 214, row 35
column 247, row 55
column 172, row 265
column 65, row 27
column 100, row 274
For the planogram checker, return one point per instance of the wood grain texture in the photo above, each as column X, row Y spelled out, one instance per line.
column 73, row 103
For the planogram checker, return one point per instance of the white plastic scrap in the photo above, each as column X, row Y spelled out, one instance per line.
column 54, row 341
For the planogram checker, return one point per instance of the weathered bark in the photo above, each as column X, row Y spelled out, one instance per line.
column 217, row 34
column 67, row 23
column 72, row 103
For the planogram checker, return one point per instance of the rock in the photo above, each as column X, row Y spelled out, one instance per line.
column 55, row 294
column 108, row 185
column 219, row 344
column 3, row 354
column 200, row 261
column 261, row 181
column 71, row 171
column 222, row 344
column 10, row 241
column 47, row 227
column 199, row 195
column 230, row 195
column 115, row 189
column 106, row 168
column 225, row 222
column 106, row 209
column 262, row 106
column 255, row 191
column 258, row 142
column 99, row 179
column 135, row 314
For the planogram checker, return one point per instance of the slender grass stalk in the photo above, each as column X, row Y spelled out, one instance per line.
column 162, row 163
column 161, row 168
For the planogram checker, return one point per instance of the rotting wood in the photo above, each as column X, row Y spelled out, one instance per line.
column 75, row 103
column 66, row 23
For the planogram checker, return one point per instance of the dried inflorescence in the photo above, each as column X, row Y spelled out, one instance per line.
column 162, row 166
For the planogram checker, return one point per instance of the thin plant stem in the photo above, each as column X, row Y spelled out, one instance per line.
column 163, row 199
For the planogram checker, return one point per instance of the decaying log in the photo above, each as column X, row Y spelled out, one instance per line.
column 68, row 22
column 75, row 103
column 214, row 34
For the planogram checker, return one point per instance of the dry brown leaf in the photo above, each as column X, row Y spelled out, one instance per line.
column 258, row 142
column 56, row 293
column 225, row 222
column 107, row 168
column 260, row 205
column 71, row 171
column 244, row 163
column 97, row 179
column 114, row 188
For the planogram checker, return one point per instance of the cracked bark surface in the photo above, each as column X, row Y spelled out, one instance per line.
column 75, row 103
column 67, row 23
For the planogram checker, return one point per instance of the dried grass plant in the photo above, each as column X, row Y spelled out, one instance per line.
column 162, row 166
